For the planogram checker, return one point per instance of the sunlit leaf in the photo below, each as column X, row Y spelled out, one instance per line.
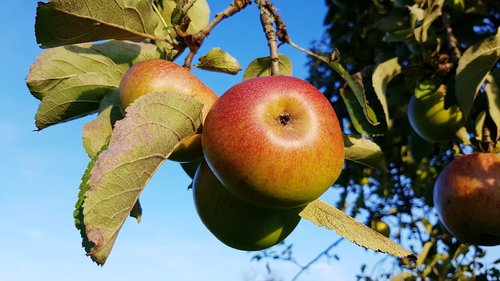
column 364, row 151
column 97, row 132
column 219, row 60
column 382, row 75
column 140, row 143
column 72, row 80
column 325, row 215
column 423, row 19
column 64, row 22
column 473, row 67
column 358, row 114
column 198, row 14
column 262, row 67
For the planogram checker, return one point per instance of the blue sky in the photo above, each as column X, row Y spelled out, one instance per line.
column 41, row 172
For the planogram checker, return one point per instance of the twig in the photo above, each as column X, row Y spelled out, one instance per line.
column 450, row 37
column 267, row 19
column 324, row 253
column 196, row 40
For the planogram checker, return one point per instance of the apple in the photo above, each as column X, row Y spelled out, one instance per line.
column 235, row 223
column 162, row 76
column 428, row 117
column 381, row 227
column 274, row 142
column 467, row 198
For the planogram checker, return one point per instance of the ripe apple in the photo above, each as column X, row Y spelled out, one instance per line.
column 235, row 223
column 430, row 119
column 467, row 198
column 162, row 76
column 274, row 142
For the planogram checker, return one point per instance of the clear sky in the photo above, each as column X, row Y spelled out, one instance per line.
column 41, row 171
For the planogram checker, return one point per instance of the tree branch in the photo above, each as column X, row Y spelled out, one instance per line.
column 196, row 40
column 324, row 253
column 267, row 19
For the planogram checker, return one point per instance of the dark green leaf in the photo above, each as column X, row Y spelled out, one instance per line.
column 473, row 67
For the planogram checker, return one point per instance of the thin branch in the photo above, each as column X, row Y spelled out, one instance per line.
column 450, row 37
column 196, row 40
column 267, row 19
column 324, row 253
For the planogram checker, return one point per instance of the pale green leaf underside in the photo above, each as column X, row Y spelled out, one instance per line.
column 64, row 22
column 382, row 75
column 140, row 142
column 72, row 80
column 97, row 132
column 325, row 215
column 472, row 69
column 364, row 151
column 219, row 60
column 262, row 67
column 199, row 14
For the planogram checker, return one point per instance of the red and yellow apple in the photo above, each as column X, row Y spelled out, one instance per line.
column 162, row 76
column 235, row 223
column 274, row 142
column 467, row 198
column 429, row 118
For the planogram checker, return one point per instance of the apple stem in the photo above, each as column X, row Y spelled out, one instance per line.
column 268, row 19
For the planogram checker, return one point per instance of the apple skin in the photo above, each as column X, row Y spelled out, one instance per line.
column 235, row 223
column 467, row 198
column 274, row 142
column 162, row 76
column 431, row 120
column 381, row 227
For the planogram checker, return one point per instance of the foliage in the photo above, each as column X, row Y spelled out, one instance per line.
column 395, row 45
column 373, row 56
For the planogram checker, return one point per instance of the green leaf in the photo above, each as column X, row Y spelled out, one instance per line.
column 72, row 80
column 324, row 215
column 136, row 211
column 262, row 67
column 492, row 90
column 473, row 68
column 198, row 14
column 219, row 60
column 364, row 151
column 423, row 19
column 358, row 111
column 140, row 143
column 97, row 132
column 64, row 22
column 382, row 75
column 422, row 256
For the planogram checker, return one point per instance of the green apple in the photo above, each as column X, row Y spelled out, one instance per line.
column 274, row 142
column 381, row 227
column 235, row 223
column 162, row 76
column 467, row 198
column 429, row 118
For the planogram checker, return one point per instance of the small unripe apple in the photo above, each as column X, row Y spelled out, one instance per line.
column 162, row 76
column 235, row 223
column 274, row 142
column 430, row 119
column 467, row 198
column 381, row 227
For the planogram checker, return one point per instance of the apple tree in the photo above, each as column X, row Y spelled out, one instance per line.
column 129, row 61
column 430, row 73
